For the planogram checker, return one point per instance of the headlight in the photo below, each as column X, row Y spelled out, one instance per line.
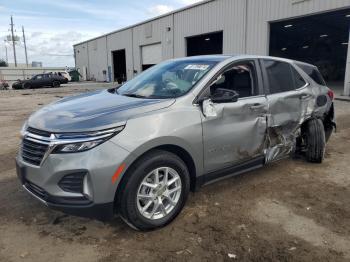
column 80, row 142
column 24, row 128
column 78, row 147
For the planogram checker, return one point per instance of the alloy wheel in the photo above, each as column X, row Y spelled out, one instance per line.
column 158, row 193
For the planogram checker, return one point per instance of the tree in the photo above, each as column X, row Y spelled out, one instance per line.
column 3, row 63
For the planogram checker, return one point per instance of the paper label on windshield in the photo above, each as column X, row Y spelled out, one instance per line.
column 197, row 67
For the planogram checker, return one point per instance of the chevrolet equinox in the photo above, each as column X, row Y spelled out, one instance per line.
column 137, row 150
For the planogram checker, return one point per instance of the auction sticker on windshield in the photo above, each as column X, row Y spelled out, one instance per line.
column 197, row 67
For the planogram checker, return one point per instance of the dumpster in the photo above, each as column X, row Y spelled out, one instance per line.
column 75, row 75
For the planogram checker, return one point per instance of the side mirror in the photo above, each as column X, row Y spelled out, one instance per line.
column 223, row 95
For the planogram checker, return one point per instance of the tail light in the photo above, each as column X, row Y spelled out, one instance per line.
column 331, row 94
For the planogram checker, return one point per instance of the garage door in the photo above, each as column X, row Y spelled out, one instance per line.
column 320, row 39
column 151, row 55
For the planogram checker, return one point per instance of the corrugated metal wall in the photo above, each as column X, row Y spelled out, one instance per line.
column 81, row 57
column 221, row 15
column 245, row 26
column 121, row 40
column 159, row 34
column 97, row 59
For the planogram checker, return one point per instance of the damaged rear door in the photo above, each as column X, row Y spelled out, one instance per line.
column 236, row 131
column 288, row 97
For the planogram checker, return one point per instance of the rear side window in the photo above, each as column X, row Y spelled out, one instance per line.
column 298, row 79
column 280, row 76
column 313, row 73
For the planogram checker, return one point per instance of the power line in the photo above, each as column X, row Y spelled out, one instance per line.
column 57, row 54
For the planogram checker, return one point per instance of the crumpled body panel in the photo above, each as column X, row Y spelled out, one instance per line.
column 287, row 112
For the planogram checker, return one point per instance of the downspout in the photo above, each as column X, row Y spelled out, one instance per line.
column 88, row 55
column 173, row 42
column 347, row 72
column 107, row 71
column 246, row 26
column 132, row 51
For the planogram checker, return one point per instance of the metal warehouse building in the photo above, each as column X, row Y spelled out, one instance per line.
column 315, row 31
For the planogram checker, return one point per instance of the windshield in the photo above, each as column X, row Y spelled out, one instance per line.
column 167, row 80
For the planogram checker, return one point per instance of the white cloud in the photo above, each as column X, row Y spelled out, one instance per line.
column 50, row 35
column 160, row 9
column 189, row 2
column 52, row 48
column 82, row 7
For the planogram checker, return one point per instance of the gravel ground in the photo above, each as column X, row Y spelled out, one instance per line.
column 288, row 211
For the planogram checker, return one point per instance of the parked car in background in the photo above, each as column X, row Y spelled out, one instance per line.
column 4, row 85
column 64, row 74
column 40, row 80
column 138, row 149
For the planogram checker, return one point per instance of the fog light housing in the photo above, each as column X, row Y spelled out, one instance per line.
column 87, row 188
column 72, row 183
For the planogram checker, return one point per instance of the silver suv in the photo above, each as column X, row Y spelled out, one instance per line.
column 138, row 150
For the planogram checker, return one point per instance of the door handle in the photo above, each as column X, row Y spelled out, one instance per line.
column 256, row 106
column 305, row 96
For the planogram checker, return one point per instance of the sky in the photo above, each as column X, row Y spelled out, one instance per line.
column 53, row 26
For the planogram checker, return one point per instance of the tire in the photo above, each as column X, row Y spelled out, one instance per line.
column 315, row 141
column 328, row 133
column 130, row 205
column 55, row 84
column 26, row 86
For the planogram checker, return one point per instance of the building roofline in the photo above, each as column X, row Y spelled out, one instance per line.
column 147, row 21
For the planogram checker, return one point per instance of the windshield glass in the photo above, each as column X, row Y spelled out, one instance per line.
column 167, row 80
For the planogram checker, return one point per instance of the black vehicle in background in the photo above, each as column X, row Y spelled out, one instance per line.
column 41, row 80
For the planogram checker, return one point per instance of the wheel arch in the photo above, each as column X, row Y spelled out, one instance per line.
column 179, row 151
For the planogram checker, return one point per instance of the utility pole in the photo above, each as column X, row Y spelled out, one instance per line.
column 13, row 42
column 25, row 45
column 7, row 59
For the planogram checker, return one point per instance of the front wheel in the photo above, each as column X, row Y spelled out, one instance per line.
column 155, row 192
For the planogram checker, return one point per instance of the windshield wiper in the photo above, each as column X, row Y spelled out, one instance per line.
column 134, row 95
column 113, row 90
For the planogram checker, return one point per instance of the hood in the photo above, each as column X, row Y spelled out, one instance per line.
column 92, row 111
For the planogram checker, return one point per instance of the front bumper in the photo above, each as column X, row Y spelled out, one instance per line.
column 103, row 212
column 99, row 165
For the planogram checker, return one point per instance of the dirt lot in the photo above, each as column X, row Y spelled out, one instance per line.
column 287, row 211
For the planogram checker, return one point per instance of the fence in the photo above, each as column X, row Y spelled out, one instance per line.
column 12, row 74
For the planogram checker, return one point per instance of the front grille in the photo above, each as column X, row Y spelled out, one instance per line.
column 72, row 183
column 38, row 132
column 33, row 152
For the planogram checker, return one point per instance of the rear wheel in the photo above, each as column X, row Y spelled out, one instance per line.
column 55, row 84
column 26, row 86
column 155, row 191
column 315, row 141
column 328, row 133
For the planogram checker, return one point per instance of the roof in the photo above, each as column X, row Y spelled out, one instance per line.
column 214, row 58
column 147, row 21
column 220, row 58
